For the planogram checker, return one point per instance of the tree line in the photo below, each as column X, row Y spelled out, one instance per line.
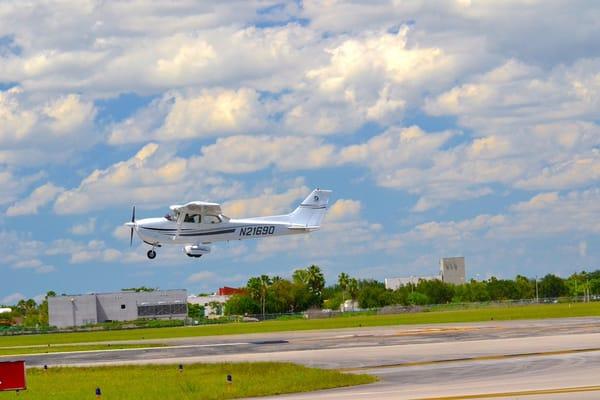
column 306, row 289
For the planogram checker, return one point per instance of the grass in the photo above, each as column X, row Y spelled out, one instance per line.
column 9, row 351
column 538, row 311
column 196, row 381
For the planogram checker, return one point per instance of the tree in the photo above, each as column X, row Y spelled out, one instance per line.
column 552, row 286
column 139, row 289
column 240, row 304
column 373, row 294
column 502, row 289
column 195, row 311
column 343, row 281
column 313, row 279
column 300, row 277
column 417, row 298
column 280, row 298
column 525, row 287
column 353, row 288
column 258, row 288
column 316, row 280
column 437, row 292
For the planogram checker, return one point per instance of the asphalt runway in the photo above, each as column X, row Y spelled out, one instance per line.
column 549, row 359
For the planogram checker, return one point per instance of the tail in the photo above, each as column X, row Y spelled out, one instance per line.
column 311, row 211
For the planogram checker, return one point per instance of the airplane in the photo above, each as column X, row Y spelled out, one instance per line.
column 197, row 224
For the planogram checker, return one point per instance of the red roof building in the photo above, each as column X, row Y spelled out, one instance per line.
column 228, row 291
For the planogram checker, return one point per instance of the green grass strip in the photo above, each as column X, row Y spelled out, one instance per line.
column 538, row 311
column 197, row 381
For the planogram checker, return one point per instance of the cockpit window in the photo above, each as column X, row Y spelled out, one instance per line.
column 193, row 218
column 212, row 219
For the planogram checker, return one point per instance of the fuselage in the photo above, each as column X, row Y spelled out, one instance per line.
column 155, row 231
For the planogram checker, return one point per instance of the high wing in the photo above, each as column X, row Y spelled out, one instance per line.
column 198, row 207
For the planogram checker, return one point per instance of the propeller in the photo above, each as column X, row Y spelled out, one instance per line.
column 132, row 226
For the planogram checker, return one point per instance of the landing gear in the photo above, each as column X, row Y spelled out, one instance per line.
column 151, row 254
column 194, row 255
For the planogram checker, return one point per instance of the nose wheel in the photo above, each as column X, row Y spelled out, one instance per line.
column 151, row 254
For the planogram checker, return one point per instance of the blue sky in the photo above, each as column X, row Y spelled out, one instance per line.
column 455, row 128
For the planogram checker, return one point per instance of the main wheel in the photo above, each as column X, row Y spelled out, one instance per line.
column 151, row 254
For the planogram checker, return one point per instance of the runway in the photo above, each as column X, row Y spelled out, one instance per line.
column 558, row 358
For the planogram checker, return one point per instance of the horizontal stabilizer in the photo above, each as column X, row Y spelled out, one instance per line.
column 303, row 228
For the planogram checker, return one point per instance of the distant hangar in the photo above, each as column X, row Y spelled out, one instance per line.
column 87, row 309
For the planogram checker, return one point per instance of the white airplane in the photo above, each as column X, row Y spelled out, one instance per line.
column 197, row 224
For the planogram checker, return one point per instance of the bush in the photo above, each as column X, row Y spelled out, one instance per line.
column 417, row 298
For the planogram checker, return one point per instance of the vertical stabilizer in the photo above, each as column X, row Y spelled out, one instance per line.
column 311, row 211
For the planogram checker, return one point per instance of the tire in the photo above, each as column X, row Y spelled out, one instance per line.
column 151, row 254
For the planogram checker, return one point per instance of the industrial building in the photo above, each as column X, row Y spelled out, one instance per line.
column 452, row 270
column 86, row 309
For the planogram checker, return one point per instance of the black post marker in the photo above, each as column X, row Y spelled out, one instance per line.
column 98, row 393
column 180, row 367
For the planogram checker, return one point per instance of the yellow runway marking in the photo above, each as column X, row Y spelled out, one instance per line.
column 477, row 358
column 519, row 393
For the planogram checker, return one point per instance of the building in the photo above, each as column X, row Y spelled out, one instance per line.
column 86, row 309
column 395, row 283
column 229, row 291
column 214, row 304
column 452, row 270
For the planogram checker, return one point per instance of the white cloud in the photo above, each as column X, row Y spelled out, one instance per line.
column 85, row 228
column 153, row 177
column 12, row 299
column 38, row 198
column 343, row 209
column 582, row 248
column 201, row 276
column 34, row 264
column 178, row 116
column 12, row 185
column 92, row 251
column 243, row 154
column 267, row 203
column 39, row 129
column 514, row 94
column 545, row 214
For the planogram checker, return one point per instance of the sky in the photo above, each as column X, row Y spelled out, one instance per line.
column 446, row 128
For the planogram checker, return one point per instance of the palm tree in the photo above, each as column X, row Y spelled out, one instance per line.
column 300, row 277
column 343, row 280
column 316, row 280
column 265, row 283
column 258, row 288
column 353, row 290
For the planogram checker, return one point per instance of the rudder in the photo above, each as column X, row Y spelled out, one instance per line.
column 312, row 210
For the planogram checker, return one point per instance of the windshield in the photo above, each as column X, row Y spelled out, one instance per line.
column 171, row 216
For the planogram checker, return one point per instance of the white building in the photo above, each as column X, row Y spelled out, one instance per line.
column 213, row 304
column 452, row 270
column 89, row 309
column 395, row 283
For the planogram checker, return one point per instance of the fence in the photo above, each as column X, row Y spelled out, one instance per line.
column 309, row 314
